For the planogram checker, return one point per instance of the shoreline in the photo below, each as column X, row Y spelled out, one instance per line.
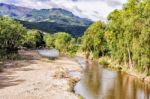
column 36, row 77
column 145, row 80
column 141, row 76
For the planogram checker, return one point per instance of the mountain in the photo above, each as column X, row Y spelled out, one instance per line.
column 48, row 20
column 13, row 11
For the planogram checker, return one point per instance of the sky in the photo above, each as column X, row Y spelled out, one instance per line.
column 92, row 9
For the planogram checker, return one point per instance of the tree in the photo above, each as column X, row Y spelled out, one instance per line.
column 11, row 33
column 129, row 34
column 73, row 47
column 49, row 40
column 62, row 41
column 32, row 39
column 93, row 40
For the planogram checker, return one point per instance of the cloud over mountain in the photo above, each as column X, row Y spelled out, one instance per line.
column 82, row 8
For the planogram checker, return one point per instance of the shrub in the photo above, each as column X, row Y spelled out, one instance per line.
column 104, row 62
column 49, row 40
column 62, row 41
column 32, row 39
column 11, row 34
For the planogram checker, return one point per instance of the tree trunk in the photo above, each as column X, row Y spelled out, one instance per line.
column 129, row 57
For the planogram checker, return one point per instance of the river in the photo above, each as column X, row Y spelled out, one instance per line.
column 100, row 83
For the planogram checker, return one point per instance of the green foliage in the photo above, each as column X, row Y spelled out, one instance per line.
column 104, row 62
column 79, row 40
column 129, row 34
column 49, row 40
column 93, row 40
column 62, row 41
column 11, row 33
column 73, row 47
column 32, row 39
column 52, row 27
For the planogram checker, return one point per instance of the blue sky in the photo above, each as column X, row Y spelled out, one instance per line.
column 92, row 9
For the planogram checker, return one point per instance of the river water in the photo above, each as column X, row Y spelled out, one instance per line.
column 100, row 83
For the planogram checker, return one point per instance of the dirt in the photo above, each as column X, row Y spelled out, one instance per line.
column 35, row 77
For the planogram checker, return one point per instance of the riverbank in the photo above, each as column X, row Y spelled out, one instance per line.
column 113, row 65
column 35, row 77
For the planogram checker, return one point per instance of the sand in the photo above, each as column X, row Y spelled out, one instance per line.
column 35, row 77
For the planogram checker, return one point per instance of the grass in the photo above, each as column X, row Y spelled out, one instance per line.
column 104, row 62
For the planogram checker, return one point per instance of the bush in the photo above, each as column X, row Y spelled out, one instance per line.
column 11, row 34
column 95, row 54
column 49, row 40
column 73, row 51
column 62, row 41
column 104, row 62
column 73, row 47
column 32, row 39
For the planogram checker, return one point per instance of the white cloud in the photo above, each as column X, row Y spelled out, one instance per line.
column 92, row 9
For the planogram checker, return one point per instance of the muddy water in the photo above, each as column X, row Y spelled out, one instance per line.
column 101, row 83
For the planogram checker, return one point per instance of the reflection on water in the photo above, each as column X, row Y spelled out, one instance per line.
column 100, row 83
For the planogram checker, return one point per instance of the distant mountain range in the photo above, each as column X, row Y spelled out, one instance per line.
column 47, row 20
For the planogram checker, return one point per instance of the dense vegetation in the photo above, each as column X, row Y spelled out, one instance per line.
column 127, row 34
column 32, row 39
column 49, row 40
column 62, row 41
column 93, row 42
column 11, row 34
column 125, row 38
column 14, row 36
column 52, row 27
